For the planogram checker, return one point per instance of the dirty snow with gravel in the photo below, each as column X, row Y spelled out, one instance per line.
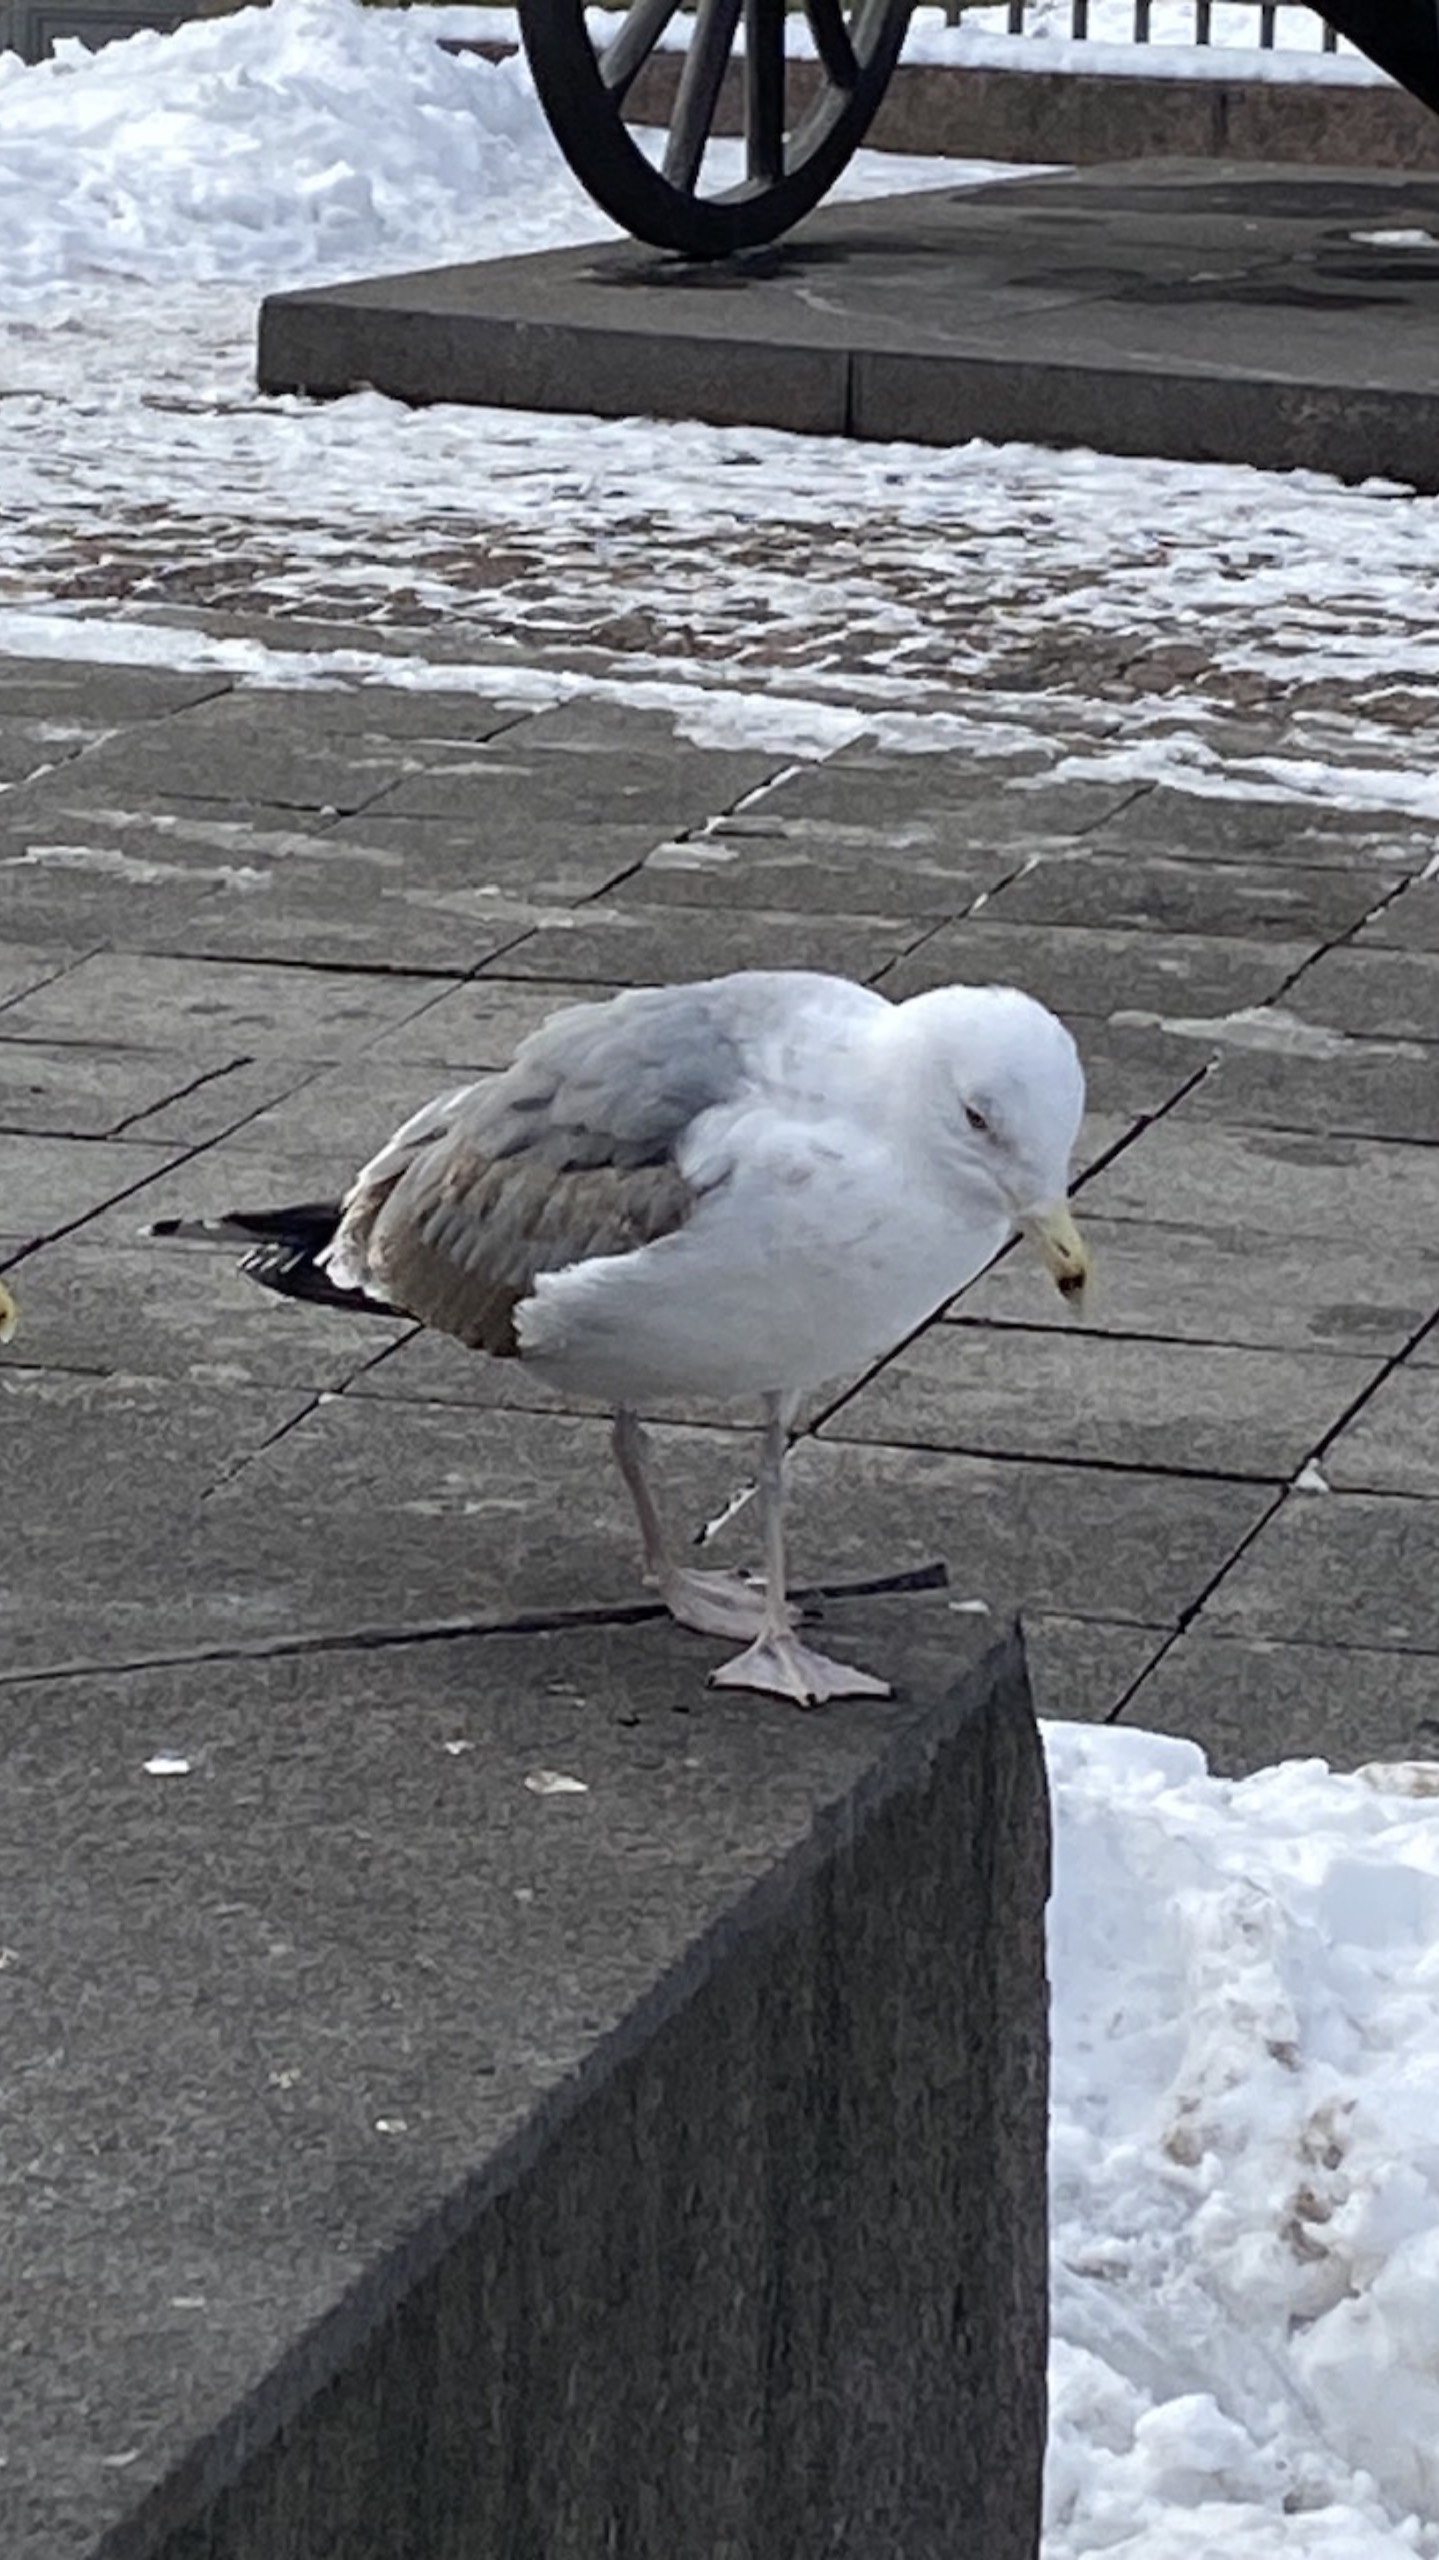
column 1246, row 2161
column 149, row 196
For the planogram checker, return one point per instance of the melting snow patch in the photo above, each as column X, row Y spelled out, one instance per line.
column 167, row 1764
column 1245, row 2158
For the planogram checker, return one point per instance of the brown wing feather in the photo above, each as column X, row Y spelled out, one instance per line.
column 567, row 1155
column 461, row 1239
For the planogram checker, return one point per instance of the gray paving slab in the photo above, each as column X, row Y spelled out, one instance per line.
column 118, row 1526
column 211, row 1473
column 115, row 1305
column 76, row 1092
column 74, row 865
column 1337, row 1569
column 1091, row 969
column 482, row 1024
column 421, row 714
column 1136, row 1067
column 1393, row 1445
column 24, row 965
column 1185, row 1170
column 1162, row 894
column 633, row 769
column 228, row 1173
column 1082, row 1669
column 1377, row 1089
column 214, row 1098
column 47, row 1182
column 490, row 847
column 1195, row 1408
column 69, row 813
column 945, row 803
column 276, row 746
column 333, row 912
column 1204, row 311
column 1386, row 994
column 345, row 1989
column 1208, row 1283
column 1096, row 1543
column 84, row 695
column 434, row 1513
column 817, row 866
column 1249, row 825
column 344, row 1114
column 1251, row 1704
column 1410, row 922
column 215, row 1007
column 430, row 1515
column 647, row 946
column 38, row 746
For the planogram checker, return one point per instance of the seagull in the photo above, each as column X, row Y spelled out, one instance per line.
column 9, row 1314
column 742, row 1188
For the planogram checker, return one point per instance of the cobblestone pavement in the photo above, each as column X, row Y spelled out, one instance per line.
column 244, row 930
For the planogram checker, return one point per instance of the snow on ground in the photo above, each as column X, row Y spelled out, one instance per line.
column 1246, row 2158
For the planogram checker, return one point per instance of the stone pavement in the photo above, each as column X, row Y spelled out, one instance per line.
column 244, row 932
column 366, row 1833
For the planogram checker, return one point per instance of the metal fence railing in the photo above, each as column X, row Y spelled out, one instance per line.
column 1023, row 17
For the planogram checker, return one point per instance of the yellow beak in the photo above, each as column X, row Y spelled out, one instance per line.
column 1063, row 1252
column 9, row 1313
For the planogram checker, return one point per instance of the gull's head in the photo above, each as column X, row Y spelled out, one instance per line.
column 1004, row 1096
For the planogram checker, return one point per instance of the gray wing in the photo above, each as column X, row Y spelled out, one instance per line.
column 568, row 1154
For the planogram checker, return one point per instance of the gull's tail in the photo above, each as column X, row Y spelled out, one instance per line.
column 285, row 1250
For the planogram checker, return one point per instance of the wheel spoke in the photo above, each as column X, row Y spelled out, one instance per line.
column 764, row 90
column 636, row 41
column 700, row 81
column 831, row 40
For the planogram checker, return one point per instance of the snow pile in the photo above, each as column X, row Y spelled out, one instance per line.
column 1245, row 2157
column 294, row 144
column 281, row 144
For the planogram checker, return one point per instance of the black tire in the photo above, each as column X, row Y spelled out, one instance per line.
column 790, row 167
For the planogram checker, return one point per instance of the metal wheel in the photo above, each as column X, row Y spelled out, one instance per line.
column 802, row 119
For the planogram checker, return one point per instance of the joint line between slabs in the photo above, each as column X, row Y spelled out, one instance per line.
column 692, row 834
column 526, row 1622
column 1188, row 1614
column 1396, row 1360
column 1348, row 940
column 197, row 1084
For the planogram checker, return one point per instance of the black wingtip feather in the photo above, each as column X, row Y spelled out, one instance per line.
column 285, row 1245
column 292, row 1272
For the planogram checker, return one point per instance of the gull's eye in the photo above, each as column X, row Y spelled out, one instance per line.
column 976, row 1120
